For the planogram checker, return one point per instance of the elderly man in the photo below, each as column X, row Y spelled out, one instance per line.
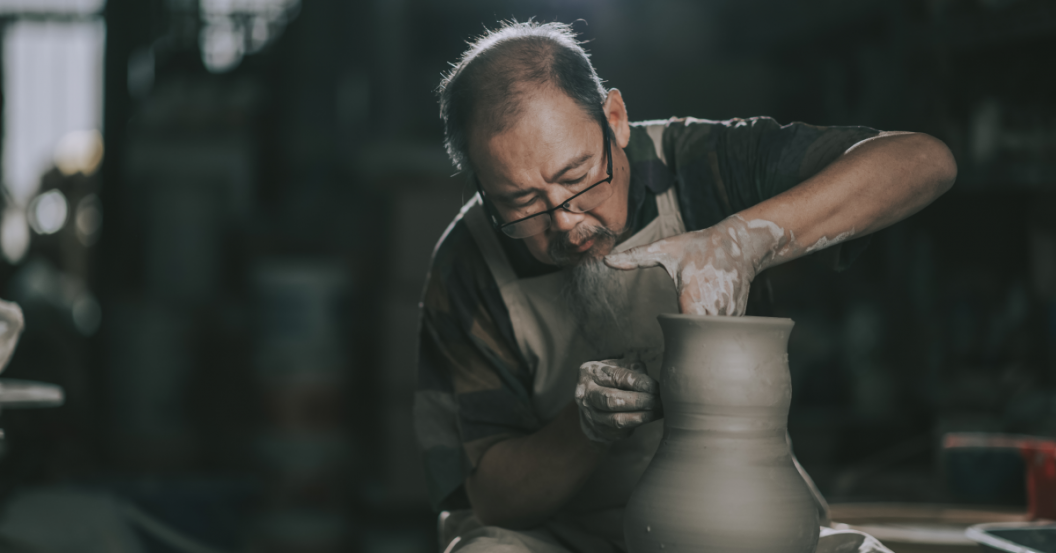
column 537, row 405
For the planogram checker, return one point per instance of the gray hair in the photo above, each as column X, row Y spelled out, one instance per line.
column 485, row 86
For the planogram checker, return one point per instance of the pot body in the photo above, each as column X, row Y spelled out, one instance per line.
column 723, row 479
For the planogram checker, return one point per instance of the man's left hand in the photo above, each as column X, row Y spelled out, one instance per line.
column 615, row 396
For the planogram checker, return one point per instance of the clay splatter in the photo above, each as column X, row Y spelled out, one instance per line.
column 824, row 242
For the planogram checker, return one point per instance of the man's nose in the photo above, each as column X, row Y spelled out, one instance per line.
column 564, row 221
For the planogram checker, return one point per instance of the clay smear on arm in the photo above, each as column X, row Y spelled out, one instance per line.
column 825, row 242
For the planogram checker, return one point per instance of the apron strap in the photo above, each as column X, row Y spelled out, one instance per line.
column 669, row 214
column 667, row 201
column 484, row 235
column 656, row 133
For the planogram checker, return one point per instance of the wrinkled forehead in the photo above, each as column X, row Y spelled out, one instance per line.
column 549, row 132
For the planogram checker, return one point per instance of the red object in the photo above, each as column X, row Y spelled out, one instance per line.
column 1039, row 454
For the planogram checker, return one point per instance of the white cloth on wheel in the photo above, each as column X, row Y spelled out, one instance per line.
column 461, row 532
column 833, row 540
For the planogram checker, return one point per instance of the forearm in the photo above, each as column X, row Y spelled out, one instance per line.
column 876, row 183
column 520, row 482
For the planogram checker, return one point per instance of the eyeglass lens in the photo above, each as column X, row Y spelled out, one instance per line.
column 588, row 200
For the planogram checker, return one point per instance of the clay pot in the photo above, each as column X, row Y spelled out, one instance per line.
column 722, row 478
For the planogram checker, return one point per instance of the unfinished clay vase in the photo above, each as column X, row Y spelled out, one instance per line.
column 723, row 479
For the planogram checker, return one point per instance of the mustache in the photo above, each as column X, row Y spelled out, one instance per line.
column 562, row 248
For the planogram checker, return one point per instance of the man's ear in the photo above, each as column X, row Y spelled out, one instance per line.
column 616, row 114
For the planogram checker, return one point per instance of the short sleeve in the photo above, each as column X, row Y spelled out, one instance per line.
column 472, row 389
column 759, row 159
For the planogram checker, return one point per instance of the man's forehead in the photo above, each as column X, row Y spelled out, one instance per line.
column 540, row 144
column 518, row 160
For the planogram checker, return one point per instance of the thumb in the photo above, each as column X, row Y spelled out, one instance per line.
column 652, row 255
column 636, row 258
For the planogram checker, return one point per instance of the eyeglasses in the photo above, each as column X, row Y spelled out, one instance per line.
column 582, row 202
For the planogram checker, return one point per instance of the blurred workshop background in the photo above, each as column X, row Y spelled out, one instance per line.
column 218, row 214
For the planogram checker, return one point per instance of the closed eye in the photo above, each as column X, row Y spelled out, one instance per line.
column 572, row 182
column 522, row 204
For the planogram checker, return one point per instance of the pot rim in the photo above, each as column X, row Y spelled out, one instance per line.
column 751, row 320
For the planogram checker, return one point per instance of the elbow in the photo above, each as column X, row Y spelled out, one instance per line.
column 505, row 510
column 939, row 163
column 488, row 512
column 947, row 166
column 495, row 515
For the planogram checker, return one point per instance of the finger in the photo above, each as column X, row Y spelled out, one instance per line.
column 706, row 291
column 625, row 421
column 597, row 432
column 692, row 304
column 714, row 293
column 628, row 260
column 586, row 378
column 613, row 376
column 614, row 401
column 643, row 256
column 581, row 389
column 629, row 361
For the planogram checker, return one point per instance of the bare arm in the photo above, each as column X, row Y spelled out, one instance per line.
column 875, row 183
column 522, row 481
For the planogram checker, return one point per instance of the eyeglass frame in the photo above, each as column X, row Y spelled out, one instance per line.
column 496, row 218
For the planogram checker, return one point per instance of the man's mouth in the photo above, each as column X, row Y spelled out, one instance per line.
column 566, row 253
column 584, row 246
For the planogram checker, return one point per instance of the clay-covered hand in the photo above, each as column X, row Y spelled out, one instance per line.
column 615, row 396
column 713, row 268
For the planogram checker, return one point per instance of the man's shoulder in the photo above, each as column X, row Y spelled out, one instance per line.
column 691, row 131
column 699, row 125
column 459, row 280
column 688, row 139
column 456, row 254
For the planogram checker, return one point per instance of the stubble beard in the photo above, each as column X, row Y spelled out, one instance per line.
column 593, row 291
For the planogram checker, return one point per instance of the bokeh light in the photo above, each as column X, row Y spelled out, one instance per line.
column 14, row 235
column 48, row 211
column 79, row 152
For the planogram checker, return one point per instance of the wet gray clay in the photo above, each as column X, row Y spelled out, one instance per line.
column 722, row 479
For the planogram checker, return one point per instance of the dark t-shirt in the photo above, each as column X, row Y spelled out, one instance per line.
column 474, row 387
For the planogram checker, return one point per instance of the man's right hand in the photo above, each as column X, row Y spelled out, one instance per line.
column 615, row 396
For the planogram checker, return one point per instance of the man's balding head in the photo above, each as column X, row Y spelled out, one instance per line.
column 485, row 91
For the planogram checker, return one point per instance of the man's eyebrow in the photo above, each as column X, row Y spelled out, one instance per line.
column 513, row 195
column 573, row 164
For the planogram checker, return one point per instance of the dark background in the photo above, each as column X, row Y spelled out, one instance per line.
column 267, row 229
